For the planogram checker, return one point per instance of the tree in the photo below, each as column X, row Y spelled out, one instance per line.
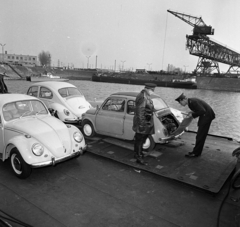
column 45, row 58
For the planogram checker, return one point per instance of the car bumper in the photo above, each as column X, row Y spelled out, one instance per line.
column 164, row 140
column 72, row 121
column 54, row 160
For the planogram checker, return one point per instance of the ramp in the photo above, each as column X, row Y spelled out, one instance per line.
column 208, row 172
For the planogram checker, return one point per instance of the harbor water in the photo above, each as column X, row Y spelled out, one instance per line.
column 225, row 104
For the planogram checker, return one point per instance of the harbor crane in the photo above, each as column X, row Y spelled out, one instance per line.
column 210, row 52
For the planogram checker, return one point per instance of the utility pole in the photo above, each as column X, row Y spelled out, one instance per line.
column 96, row 62
column 149, row 65
column 123, row 64
column 2, row 51
column 88, row 60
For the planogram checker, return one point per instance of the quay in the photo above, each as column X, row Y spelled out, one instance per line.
column 105, row 187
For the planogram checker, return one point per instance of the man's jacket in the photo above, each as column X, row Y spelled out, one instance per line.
column 201, row 109
column 143, row 118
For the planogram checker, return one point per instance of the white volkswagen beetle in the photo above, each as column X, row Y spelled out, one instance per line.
column 32, row 138
column 64, row 100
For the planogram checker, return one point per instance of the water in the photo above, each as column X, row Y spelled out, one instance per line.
column 225, row 104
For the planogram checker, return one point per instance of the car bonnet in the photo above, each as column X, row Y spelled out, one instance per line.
column 78, row 105
column 50, row 132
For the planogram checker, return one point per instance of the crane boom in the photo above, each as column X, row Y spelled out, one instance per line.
column 200, row 28
column 208, row 51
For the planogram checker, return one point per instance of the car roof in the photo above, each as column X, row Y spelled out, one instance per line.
column 127, row 93
column 53, row 84
column 132, row 94
column 6, row 98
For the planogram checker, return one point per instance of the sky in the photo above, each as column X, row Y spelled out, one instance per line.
column 131, row 34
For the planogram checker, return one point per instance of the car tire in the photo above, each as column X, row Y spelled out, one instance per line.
column 20, row 168
column 149, row 144
column 88, row 129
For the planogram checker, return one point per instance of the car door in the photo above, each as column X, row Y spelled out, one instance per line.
column 110, row 117
column 128, row 122
column 46, row 95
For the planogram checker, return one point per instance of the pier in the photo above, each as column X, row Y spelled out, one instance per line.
column 105, row 187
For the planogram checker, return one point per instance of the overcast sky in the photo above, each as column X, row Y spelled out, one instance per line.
column 134, row 33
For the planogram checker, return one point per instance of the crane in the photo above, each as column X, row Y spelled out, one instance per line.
column 210, row 52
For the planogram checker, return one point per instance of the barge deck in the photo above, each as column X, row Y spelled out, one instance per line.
column 94, row 190
column 207, row 172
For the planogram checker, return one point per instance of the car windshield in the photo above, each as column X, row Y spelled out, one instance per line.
column 69, row 91
column 23, row 108
column 158, row 103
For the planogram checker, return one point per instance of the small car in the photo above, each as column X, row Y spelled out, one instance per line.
column 63, row 100
column 115, row 118
column 31, row 137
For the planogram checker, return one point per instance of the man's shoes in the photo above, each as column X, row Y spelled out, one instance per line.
column 141, row 161
column 191, row 155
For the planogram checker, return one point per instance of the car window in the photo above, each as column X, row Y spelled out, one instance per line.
column 117, row 105
column 69, row 91
column 23, row 108
column 33, row 91
column 131, row 107
column 45, row 93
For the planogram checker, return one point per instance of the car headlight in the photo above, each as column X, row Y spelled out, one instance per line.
column 37, row 149
column 66, row 112
column 78, row 137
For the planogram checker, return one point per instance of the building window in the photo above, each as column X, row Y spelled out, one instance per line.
column 8, row 57
column 12, row 57
column 33, row 59
column 17, row 57
column 21, row 58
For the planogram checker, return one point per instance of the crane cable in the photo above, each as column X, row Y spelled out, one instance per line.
column 164, row 40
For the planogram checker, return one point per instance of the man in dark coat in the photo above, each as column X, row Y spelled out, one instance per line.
column 205, row 113
column 3, row 86
column 143, row 120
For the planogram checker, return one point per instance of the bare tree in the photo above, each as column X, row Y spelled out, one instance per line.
column 44, row 58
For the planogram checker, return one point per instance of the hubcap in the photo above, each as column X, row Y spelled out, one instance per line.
column 16, row 164
column 87, row 130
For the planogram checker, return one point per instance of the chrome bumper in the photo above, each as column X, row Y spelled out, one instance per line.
column 54, row 160
column 72, row 121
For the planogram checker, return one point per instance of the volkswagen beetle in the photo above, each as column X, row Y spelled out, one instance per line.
column 63, row 99
column 115, row 118
column 31, row 137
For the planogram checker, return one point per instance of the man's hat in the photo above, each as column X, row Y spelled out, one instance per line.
column 180, row 98
column 150, row 86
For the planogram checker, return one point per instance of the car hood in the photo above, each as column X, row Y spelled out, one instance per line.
column 49, row 131
column 78, row 105
column 163, row 112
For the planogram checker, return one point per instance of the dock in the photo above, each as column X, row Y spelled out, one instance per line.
column 207, row 172
column 105, row 188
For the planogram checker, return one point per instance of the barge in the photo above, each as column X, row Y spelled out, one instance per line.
column 142, row 78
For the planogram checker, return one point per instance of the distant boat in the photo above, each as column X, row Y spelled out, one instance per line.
column 141, row 79
column 46, row 77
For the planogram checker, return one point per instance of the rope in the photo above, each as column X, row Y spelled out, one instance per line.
column 164, row 40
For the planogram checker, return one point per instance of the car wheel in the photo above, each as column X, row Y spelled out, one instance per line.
column 88, row 129
column 20, row 168
column 149, row 144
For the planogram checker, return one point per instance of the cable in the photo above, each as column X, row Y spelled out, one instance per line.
column 12, row 219
column 234, row 186
column 164, row 41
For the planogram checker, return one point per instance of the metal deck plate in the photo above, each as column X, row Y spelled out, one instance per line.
column 208, row 172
